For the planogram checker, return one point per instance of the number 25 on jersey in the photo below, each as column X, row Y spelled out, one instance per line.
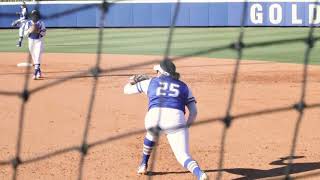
column 168, row 89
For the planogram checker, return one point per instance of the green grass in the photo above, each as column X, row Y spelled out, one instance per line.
column 152, row 41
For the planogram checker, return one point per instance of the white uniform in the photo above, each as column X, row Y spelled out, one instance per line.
column 167, row 100
column 23, row 19
column 167, row 118
column 35, row 42
column 21, row 23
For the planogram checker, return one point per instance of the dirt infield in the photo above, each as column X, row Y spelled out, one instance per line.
column 55, row 119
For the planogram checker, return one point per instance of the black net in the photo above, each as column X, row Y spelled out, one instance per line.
column 238, row 45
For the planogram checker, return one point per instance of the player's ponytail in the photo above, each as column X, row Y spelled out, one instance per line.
column 175, row 75
column 168, row 67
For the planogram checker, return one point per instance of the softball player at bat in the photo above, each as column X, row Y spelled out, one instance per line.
column 21, row 22
column 35, row 30
column 168, row 97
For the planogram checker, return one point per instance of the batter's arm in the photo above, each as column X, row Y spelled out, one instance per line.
column 23, row 13
column 139, row 87
column 26, row 28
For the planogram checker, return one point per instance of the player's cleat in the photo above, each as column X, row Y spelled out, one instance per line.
column 142, row 169
column 37, row 74
column 36, row 77
column 19, row 44
column 204, row 176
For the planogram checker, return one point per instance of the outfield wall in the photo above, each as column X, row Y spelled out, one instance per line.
column 159, row 13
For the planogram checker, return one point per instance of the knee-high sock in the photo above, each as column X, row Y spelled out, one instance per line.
column 37, row 66
column 193, row 167
column 147, row 149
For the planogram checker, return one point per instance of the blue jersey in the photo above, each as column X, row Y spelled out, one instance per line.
column 40, row 25
column 165, row 91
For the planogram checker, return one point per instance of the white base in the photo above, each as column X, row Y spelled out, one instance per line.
column 24, row 64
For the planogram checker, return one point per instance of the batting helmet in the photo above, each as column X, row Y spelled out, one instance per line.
column 35, row 15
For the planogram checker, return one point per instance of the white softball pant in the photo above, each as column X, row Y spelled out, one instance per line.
column 36, row 48
column 178, row 139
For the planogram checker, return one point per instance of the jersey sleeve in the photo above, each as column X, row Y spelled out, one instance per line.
column 143, row 86
column 139, row 87
column 191, row 98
